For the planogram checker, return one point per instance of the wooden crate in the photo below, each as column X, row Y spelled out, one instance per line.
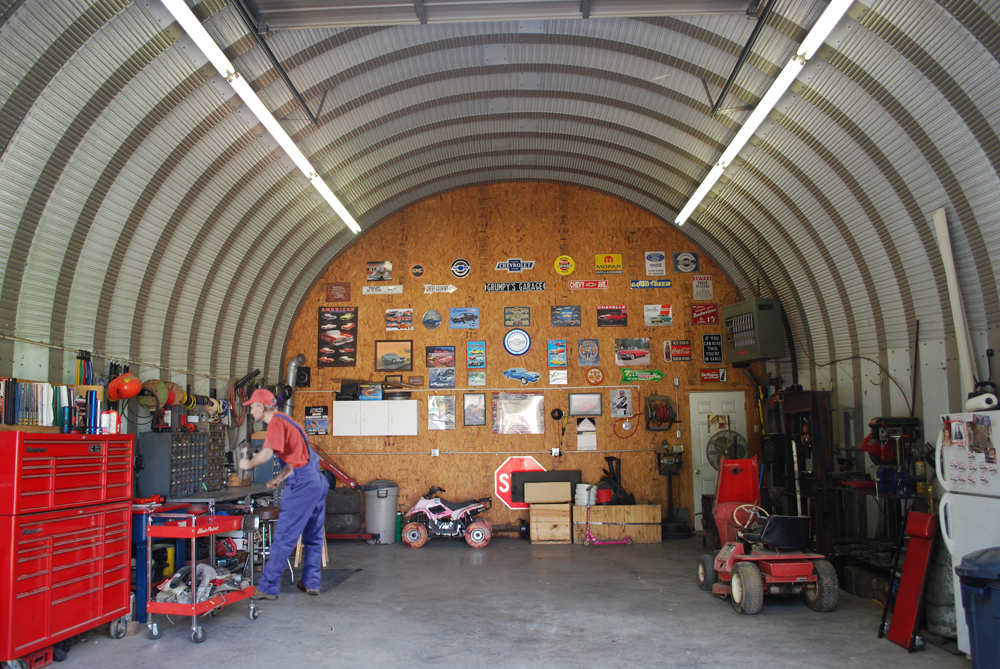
column 550, row 523
column 613, row 523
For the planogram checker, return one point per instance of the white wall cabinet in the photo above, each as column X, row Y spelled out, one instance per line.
column 384, row 418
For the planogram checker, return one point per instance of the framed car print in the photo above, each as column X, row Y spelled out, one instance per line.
column 475, row 408
column 394, row 356
column 585, row 404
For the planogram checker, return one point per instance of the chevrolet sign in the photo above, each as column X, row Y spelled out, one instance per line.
column 515, row 265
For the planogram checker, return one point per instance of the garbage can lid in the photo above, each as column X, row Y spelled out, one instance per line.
column 379, row 484
column 984, row 564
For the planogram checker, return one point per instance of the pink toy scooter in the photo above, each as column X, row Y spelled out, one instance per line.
column 591, row 540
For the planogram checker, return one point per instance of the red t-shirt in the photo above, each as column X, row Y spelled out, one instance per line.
column 287, row 442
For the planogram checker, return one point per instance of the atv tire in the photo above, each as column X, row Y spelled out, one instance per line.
column 478, row 534
column 706, row 572
column 414, row 535
column 823, row 595
column 747, row 589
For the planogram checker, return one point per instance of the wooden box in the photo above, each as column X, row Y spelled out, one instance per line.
column 550, row 523
column 613, row 523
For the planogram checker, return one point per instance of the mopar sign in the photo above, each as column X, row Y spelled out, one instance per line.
column 515, row 265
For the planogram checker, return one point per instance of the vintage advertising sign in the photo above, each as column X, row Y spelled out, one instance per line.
column 317, row 421
column 557, row 352
column 379, row 270
column 337, row 338
column 713, row 375
column 704, row 314
column 608, row 263
column 515, row 286
column 686, row 263
column 711, row 348
column 516, row 317
column 680, row 350
column 650, row 283
column 515, row 265
column 630, row 375
column 656, row 263
column 398, row 319
column 566, row 316
column 475, row 355
column 701, row 286
column 437, row 288
column 461, row 268
column 564, row 265
column 417, row 270
column 612, row 315
column 588, row 285
column 382, row 290
column 338, row 292
column 463, row 318
column 657, row 315
column 588, row 352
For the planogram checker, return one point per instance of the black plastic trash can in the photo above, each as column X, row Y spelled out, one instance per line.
column 979, row 574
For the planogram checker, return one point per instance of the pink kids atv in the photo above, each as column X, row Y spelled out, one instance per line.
column 432, row 516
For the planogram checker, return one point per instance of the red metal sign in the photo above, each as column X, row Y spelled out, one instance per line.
column 713, row 375
column 680, row 350
column 704, row 314
column 503, row 484
column 588, row 285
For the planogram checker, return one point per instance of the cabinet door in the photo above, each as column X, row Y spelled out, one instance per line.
column 374, row 418
column 346, row 419
column 402, row 417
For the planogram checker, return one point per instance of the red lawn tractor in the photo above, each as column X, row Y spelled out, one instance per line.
column 762, row 553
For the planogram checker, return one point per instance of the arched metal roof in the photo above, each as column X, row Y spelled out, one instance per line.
column 118, row 141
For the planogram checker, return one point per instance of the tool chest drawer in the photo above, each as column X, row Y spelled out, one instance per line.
column 44, row 472
column 61, row 573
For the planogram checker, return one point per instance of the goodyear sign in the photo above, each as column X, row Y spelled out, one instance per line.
column 650, row 283
column 608, row 263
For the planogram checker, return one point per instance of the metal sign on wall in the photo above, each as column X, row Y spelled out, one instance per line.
column 711, row 348
column 515, row 286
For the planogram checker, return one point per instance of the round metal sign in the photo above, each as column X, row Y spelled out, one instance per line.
column 431, row 319
column 461, row 268
column 594, row 376
column 417, row 270
column 517, row 342
column 564, row 265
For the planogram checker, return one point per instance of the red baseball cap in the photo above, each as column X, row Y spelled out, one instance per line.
column 262, row 396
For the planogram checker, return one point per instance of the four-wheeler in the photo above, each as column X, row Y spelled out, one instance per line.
column 762, row 553
column 522, row 375
column 432, row 516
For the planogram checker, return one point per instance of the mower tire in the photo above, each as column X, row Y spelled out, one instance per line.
column 747, row 588
column 823, row 596
column 706, row 572
column 414, row 535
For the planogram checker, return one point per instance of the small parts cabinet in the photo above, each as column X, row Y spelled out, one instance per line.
column 187, row 526
column 65, row 524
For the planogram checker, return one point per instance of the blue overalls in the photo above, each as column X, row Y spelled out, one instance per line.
column 303, row 510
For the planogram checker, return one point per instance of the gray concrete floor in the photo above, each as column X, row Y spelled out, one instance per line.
column 517, row 605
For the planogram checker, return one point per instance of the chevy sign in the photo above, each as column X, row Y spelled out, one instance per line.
column 515, row 265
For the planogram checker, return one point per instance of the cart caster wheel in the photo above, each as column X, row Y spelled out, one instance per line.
column 198, row 634
column 254, row 613
column 919, row 643
column 214, row 612
column 118, row 628
column 153, row 631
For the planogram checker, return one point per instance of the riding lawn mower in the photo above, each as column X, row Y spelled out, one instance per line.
column 762, row 554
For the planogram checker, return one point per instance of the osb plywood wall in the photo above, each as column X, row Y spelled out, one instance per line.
column 485, row 225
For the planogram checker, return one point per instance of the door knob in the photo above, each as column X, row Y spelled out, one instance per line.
column 697, row 471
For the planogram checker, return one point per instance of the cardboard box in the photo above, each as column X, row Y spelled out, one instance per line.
column 550, row 523
column 552, row 492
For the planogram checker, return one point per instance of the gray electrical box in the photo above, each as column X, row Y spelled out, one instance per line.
column 752, row 331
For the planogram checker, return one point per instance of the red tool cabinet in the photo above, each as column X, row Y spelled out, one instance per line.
column 65, row 536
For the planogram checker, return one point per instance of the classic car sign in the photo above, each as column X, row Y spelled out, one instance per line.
column 564, row 265
column 381, row 290
column 630, row 375
column 656, row 263
column 713, row 375
column 515, row 286
column 515, row 265
column 608, row 263
column 588, row 285
column 650, row 283
column 657, row 315
column 704, row 314
column 711, row 347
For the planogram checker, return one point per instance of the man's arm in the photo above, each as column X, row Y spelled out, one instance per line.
column 264, row 455
column 282, row 475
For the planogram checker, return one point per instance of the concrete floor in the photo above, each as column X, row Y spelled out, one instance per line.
column 517, row 605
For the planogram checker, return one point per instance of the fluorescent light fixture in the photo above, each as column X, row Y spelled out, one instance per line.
column 827, row 21
column 192, row 26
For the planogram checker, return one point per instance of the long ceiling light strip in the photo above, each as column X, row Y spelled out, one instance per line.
column 827, row 21
column 192, row 26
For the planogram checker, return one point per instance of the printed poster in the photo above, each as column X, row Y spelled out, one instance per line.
column 337, row 337
column 588, row 352
column 657, row 315
column 463, row 318
column 338, row 292
column 701, row 285
column 398, row 319
column 632, row 352
column 566, row 316
column 516, row 317
column 317, row 421
column 612, row 315
column 704, row 314
column 557, row 352
column 711, row 348
column 656, row 263
column 380, row 270
column 621, row 402
column 475, row 355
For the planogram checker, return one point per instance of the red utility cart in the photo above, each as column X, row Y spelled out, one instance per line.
column 65, row 551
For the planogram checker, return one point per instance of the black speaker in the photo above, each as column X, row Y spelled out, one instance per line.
column 774, row 449
column 302, row 377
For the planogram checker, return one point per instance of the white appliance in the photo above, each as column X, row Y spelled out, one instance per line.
column 967, row 469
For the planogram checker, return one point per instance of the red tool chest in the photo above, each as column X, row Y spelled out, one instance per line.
column 65, row 536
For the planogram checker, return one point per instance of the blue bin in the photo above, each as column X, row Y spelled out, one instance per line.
column 979, row 574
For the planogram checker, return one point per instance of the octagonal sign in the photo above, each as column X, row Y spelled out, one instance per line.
column 503, row 483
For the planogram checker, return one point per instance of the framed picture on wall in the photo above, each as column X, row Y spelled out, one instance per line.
column 585, row 404
column 394, row 356
column 475, row 408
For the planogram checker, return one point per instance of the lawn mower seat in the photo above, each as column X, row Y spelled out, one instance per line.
column 781, row 532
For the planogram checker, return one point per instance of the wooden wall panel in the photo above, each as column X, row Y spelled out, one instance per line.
column 487, row 224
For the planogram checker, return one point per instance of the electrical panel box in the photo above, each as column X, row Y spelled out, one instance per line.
column 753, row 331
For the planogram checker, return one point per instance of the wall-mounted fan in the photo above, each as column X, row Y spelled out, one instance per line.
column 726, row 444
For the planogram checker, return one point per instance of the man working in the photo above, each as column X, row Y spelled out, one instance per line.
column 303, row 504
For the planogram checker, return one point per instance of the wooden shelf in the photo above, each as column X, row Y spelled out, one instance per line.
column 30, row 428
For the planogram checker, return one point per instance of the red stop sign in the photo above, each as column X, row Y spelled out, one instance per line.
column 502, row 483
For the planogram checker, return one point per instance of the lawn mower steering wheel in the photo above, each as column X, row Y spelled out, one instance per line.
column 751, row 511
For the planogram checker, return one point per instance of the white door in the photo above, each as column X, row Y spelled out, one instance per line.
column 346, row 419
column 702, row 407
column 374, row 418
column 402, row 417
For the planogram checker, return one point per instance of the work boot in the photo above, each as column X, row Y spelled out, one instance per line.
column 260, row 594
column 309, row 591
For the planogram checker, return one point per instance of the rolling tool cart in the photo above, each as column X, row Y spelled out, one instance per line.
column 188, row 526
